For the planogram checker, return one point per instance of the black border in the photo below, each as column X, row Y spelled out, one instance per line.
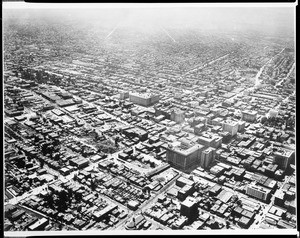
column 164, row 2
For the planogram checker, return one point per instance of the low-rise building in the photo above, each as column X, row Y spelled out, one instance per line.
column 249, row 116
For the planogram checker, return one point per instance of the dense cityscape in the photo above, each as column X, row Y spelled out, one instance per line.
column 110, row 125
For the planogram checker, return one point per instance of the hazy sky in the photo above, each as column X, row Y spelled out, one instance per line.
column 266, row 19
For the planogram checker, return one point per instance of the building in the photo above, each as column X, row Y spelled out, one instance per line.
column 177, row 115
column 50, row 96
column 273, row 113
column 184, row 157
column 184, row 192
column 133, row 204
column 217, row 121
column 207, row 157
column 279, row 198
column 98, row 215
column 124, row 95
column 198, row 119
column 241, row 126
column 79, row 162
column 199, row 128
column 133, row 132
column 136, row 222
column 65, row 102
column 249, row 116
column 189, row 208
column 229, row 87
column 231, row 127
column 39, row 225
column 143, row 99
column 283, row 158
column 182, row 181
column 210, row 140
column 244, row 222
column 258, row 192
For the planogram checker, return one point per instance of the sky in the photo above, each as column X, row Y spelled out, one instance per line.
column 266, row 18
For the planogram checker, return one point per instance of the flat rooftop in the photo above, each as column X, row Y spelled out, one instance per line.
column 188, row 151
column 142, row 95
column 189, row 201
column 249, row 112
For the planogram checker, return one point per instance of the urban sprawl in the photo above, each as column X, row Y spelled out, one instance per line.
column 114, row 128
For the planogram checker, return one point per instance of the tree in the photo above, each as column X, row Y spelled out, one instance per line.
column 227, row 224
column 49, row 200
column 75, row 178
column 70, row 193
column 79, row 209
column 93, row 185
column 264, row 120
column 239, row 202
column 44, row 148
column 42, row 163
column 83, row 151
column 55, row 142
column 62, row 201
column 116, row 141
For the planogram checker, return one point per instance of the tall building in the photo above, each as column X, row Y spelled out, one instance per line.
column 207, row 157
column 189, row 208
column 283, row 158
column 279, row 198
column 143, row 99
column 249, row 116
column 177, row 115
column 124, row 95
column 231, row 127
column 241, row 126
column 184, row 157
column 273, row 113
column 258, row 192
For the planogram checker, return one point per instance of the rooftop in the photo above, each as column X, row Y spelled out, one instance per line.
column 189, row 202
column 142, row 95
column 186, row 151
column 251, row 112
